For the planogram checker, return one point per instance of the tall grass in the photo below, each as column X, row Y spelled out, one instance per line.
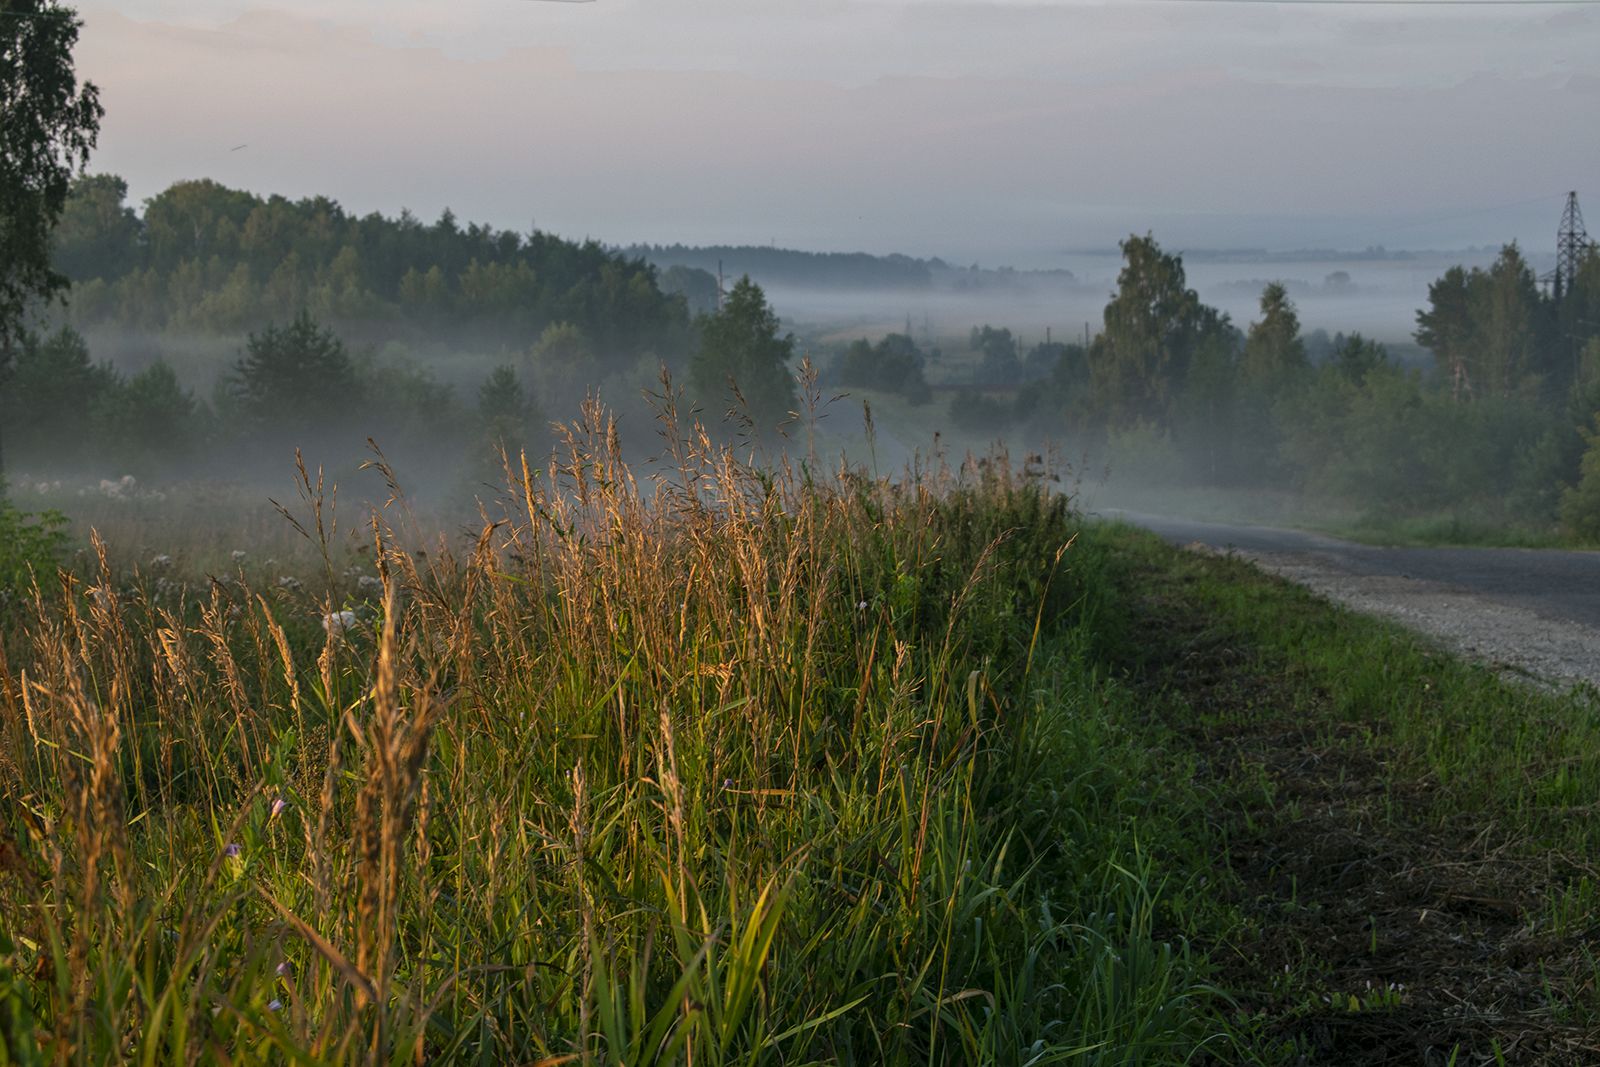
column 729, row 764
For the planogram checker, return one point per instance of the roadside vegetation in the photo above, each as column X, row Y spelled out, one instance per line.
column 734, row 764
column 1403, row 839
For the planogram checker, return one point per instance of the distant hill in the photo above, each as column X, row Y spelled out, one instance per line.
column 785, row 266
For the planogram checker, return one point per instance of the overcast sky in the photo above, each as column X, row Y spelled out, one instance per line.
column 996, row 130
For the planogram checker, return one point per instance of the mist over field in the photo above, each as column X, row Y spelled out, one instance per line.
column 1335, row 292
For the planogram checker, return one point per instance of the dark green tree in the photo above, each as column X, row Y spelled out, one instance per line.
column 743, row 354
column 1506, row 313
column 1446, row 329
column 1041, row 360
column 151, row 420
column 505, row 409
column 894, row 365
column 1580, row 504
column 98, row 235
column 1273, row 352
column 54, row 391
column 295, row 377
column 1000, row 364
column 1154, row 324
column 48, row 124
column 1355, row 357
column 697, row 287
column 1272, row 361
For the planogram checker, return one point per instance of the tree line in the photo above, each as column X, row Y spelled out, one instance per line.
column 202, row 257
column 1505, row 424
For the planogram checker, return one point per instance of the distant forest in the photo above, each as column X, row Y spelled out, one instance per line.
column 208, row 259
column 692, row 270
column 785, row 266
column 320, row 327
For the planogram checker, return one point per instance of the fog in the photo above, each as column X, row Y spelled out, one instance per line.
column 1378, row 296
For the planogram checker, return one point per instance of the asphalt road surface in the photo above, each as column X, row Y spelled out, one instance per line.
column 1533, row 610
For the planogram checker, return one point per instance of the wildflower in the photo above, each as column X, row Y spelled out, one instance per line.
column 239, row 555
column 232, row 850
column 291, row 583
column 274, row 1005
column 337, row 622
column 862, row 606
column 161, row 562
column 278, row 804
column 369, row 586
column 284, row 969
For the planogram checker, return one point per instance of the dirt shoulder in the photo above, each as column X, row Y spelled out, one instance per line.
column 1404, row 890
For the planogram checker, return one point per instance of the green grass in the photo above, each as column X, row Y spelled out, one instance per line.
column 749, row 766
column 1408, row 847
column 741, row 767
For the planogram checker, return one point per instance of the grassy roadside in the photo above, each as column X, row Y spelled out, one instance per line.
column 1406, row 842
column 753, row 769
column 734, row 767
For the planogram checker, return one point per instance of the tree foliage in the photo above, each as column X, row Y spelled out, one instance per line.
column 1154, row 324
column 1273, row 351
column 1492, row 332
column 894, row 364
column 206, row 258
column 50, row 124
column 742, row 354
column 1580, row 504
column 295, row 376
column 1000, row 364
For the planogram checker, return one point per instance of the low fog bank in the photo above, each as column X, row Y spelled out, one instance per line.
column 1377, row 296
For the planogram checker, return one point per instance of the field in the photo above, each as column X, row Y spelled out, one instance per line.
column 760, row 764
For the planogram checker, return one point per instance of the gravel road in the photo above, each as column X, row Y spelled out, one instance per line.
column 1530, row 611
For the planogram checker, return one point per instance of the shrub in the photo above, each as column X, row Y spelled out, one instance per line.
column 1580, row 505
column 29, row 544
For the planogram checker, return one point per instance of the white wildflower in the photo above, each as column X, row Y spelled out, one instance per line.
column 337, row 622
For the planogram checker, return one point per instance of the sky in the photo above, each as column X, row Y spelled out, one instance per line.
column 992, row 131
